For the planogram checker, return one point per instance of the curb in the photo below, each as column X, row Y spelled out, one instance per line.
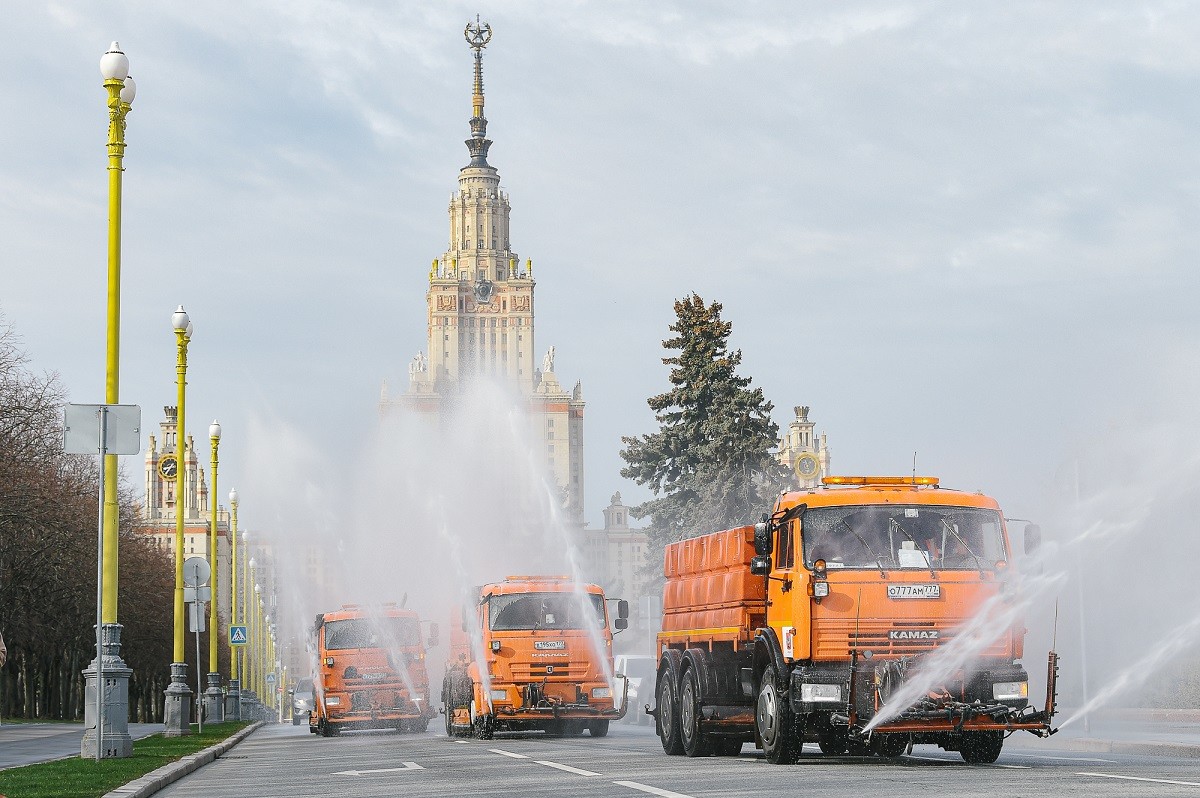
column 155, row 780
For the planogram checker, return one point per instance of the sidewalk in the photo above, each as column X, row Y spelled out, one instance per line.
column 29, row 743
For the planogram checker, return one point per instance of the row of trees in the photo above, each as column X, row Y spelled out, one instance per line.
column 48, row 530
column 710, row 465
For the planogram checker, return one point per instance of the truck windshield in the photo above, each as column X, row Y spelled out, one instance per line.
column 894, row 536
column 520, row 611
column 372, row 633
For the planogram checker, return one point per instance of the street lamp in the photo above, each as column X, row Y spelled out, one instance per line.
column 214, row 700
column 178, row 706
column 233, row 699
column 107, row 679
column 114, row 67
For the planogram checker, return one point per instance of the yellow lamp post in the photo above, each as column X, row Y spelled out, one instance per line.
column 233, row 698
column 178, row 706
column 106, row 680
column 214, row 699
column 114, row 66
column 255, row 637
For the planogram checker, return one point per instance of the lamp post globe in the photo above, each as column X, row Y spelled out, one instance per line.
column 181, row 321
column 114, row 64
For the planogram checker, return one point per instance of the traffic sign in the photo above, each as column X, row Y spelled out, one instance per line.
column 270, row 678
column 196, row 571
column 196, row 616
column 237, row 635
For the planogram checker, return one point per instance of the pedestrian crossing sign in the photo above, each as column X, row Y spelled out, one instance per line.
column 237, row 635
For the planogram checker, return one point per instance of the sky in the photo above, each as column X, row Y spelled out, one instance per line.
column 964, row 232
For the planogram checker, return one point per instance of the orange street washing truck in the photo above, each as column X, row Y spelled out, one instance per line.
column 802, row 627
column 372, row 673
column 541, row 659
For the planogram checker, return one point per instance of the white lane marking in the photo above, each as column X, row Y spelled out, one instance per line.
column 502, row 752
column 462, row 742
column 1013, row 767
column 407, row 766
column 567, row 768
column 1139, row 778
column 633, row 785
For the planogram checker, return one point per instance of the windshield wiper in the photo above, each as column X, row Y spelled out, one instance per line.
column 866, row 545
column 948, row 527
column 928, row 556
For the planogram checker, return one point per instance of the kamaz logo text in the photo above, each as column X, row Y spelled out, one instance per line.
column 913, row 634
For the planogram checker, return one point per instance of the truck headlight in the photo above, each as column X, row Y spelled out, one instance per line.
column 1010, row 691
column 820, row 692
column 333, row 701
column 601, row 692
column 820, row 589
column 499, row 695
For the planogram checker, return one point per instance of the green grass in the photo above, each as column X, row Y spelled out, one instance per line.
column 87, row 778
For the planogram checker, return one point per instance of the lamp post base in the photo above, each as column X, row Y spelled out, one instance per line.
column 114, row 741
column 233, row 700
column 178, row 712
column 251, row 709
column 214, row 700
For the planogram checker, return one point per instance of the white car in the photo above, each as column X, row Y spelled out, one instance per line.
column 641, row 670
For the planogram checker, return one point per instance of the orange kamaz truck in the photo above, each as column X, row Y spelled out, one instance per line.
column 372, row 672
column 535, row 653
column 801, row 628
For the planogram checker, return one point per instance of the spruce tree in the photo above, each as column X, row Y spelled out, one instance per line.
column 709, row 465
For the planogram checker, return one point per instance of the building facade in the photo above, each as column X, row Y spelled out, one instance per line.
column 804, row 452
column 161, row 505
column 480, row 315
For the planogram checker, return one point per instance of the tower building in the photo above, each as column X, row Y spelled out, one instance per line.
column 480, row 313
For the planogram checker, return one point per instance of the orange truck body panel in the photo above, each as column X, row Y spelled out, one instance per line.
column 374, row 678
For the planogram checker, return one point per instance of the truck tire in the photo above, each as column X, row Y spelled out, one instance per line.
column 775, row 723
column 889, row 746
column 667, row 719
column 598, row 728
column 691, row 734
column 981, row 748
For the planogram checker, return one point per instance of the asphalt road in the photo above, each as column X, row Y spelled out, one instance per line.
column 27, row 743
column 288, row 761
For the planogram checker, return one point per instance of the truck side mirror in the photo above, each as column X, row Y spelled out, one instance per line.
column 1033, row 538
column 621, row 623
column 622, row 611
column 762, row 538
column 760, row 565
column 433, row 634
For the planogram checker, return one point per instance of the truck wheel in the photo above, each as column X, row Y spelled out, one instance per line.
column 981, row 748
column 668, row 703
column 776, row 725
column 598, row 728
column 695, row 741
column 889, row 746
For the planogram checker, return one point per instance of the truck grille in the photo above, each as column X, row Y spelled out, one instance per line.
column 837, row 639
column 538, row 671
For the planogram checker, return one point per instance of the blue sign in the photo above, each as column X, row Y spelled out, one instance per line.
column 270, row 678
column 237, row 635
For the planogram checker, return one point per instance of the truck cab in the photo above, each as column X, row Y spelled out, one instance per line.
column 534, row 653
column 371, row 670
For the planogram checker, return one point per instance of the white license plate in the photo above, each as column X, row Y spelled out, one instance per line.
column 550, row 645
column 914, row 591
